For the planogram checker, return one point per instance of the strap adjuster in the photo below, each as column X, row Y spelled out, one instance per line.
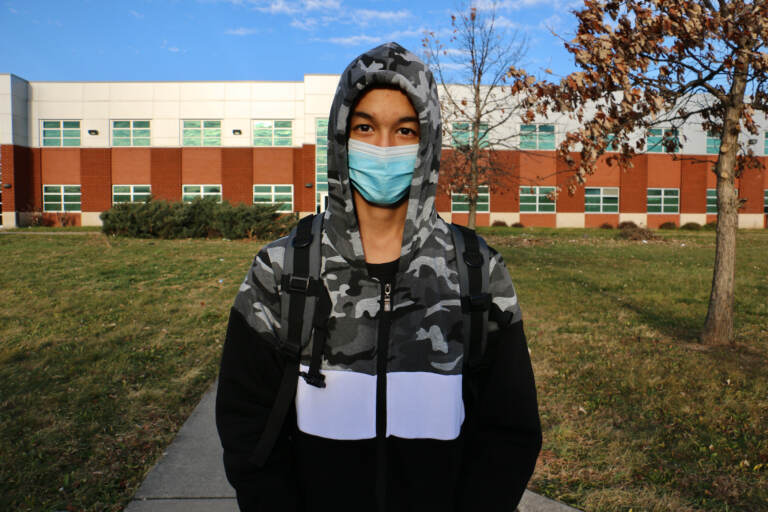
column 473, row 259
column 317, row 380
column 479, row 302
column 298, row 284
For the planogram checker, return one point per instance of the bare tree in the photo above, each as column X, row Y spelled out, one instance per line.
column 644, row 62
column 471, row 68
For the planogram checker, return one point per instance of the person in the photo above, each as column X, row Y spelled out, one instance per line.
column 395, row 427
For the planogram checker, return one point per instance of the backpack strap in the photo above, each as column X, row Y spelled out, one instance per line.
column 473, row 257
column 300, row 288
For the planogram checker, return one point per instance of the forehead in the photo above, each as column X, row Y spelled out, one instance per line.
column 384, row 102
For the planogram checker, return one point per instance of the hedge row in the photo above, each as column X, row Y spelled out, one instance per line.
column 201, row 218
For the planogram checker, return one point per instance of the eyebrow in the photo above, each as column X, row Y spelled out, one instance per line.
column 366, row 115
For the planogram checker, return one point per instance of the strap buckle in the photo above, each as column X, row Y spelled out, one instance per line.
column 298, row 284
column 316, row 379
column 473, row 259
column 479, row 302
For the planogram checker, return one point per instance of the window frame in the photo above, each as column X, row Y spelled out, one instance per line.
column 601, row 204
column 273, row 138
column 202, row 129
column 662, row 204
column 62, row 193
column 713, row 143
column 466, row 140
column 525, row 134
column 711, row 201
column 61, row 128
column 131, row 132
column 538, row 194
column 201, row 194
column 132, row 193
column 462, row 199
column 273, row 193
column 660, row 144
column 765, row 201
column 321, row 160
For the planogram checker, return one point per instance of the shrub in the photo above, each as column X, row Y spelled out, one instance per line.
column 668, row 225
column 630, row 233
column 692, row 226
column 499, row 224
column 517, row 225
column 711, row 226
column 201, row 218
column 627, row 224
column 606, row 225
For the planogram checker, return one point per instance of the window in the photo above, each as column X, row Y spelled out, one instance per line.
column 460, row 202
column 711, row 200
column 537, row 136
column 656, row 138
column 273, row 194
column 663, row 200
column 321, row 160
column 610, row 144
column 61, row 133
column 61, row 198
column 273, row 133
column 130, row 193
column 765, row 145
column 192, row 192
column 536, row 200
column 713, row 143
column 201, row 133
column 462, row 134
column 601, row 200
column 130, row 133
column 765, row 201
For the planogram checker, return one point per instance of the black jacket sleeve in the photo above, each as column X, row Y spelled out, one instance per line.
column 502, row 428
column 503, row 432
column 251, row 370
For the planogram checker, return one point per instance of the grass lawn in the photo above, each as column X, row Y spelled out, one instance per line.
column 106, row 345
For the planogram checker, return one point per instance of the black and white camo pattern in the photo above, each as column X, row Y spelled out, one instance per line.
column 426, row 333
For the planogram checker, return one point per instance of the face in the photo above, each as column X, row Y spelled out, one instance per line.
column 385, row 117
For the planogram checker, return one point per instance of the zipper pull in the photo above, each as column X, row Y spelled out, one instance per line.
column 387, row 299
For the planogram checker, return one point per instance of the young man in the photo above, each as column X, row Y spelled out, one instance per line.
column 400, row 423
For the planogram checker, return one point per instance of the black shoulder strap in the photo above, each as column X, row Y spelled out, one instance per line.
column 300, row 287
column 472, row 258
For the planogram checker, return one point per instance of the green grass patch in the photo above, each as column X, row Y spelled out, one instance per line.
column 107, row 345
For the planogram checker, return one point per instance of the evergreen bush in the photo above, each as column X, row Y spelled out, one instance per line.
column 201, row 218
column 692, row 226
column 668, row 225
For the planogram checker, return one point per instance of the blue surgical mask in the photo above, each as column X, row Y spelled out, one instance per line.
column 381, row 174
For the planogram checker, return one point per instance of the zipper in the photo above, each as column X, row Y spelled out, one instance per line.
column 382, row 355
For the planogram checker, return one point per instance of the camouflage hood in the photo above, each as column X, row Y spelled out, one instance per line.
column 389, row 64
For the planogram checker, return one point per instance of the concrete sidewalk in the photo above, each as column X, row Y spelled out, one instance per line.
column 189, row 477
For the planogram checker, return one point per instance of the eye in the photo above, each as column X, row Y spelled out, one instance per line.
column 365, row 128
column 408, row 132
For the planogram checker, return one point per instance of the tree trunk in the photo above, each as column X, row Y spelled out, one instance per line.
column 472, row 221
column 718, row 326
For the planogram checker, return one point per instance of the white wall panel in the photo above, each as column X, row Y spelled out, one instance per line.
column 60, row 110
column 5, row 83
column 57, row 91
column 166, row 130
column 96, row 92
column 131, row 110
column 165, row 109
column 201, row 91
column 201, row 109
column 166, row 92
column 119, row 92
column 96, row 109
column 238, row 91
column 95, row 141
column 272, row 110
column 237, row 109
column 272, row 91
column 230, row 140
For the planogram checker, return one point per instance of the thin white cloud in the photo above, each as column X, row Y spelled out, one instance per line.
column 504, row 22
column 368, row 15
column 13, row 11
column 279, row 7
column 312, row 5
column 305, row 24
column 370, row 40
column 241, row 31
column 136, row 14
column 172, row 49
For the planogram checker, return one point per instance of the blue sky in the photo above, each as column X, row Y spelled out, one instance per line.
column 116, row 40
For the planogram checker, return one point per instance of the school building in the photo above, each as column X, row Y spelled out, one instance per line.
column 70, row 150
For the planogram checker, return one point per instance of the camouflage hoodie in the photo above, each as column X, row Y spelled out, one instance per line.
column 423, row 376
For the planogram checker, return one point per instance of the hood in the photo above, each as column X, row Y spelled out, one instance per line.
column 388, row 64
